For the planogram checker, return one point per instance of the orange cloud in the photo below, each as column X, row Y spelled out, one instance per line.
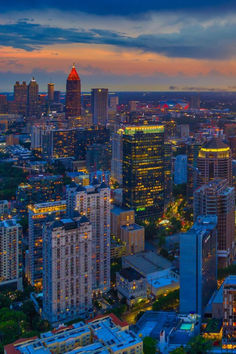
column 110, row 60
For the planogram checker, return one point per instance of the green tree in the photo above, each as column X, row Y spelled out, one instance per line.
column 199, row 345
column 10, row 331
column 149, row 345
column 179, row 350
column 4, row 301
column 167, row 302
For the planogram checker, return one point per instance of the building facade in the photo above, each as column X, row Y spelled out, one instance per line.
column 229, row 313
column 133, row 236
column 39, row 214
column 143, row 169
column 198, row 265
column 214, row 160
column 20, row 97
column 33, row 99
column 99, row 104
column 67, row 264
column 10, row 254
column 180, row 169
column 73, row 94
column 217, row 198
column 94, row 202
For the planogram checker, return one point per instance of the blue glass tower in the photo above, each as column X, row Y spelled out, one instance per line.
column 198, row 265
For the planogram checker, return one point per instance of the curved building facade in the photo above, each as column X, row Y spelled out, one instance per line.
column 214, row 160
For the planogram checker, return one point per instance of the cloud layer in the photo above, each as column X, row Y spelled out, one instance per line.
column 214, row 41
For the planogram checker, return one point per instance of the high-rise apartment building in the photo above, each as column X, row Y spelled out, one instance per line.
column 229, row 311
column 67, row 264
column 33, row 99
column 144, row 169
column 73, row 94
column 214, row 160
column 94, row 202
column 217, row 198
column 39, row 214
column 99, row 104
column 198, row 265
column 10, row 254
column 20, row 97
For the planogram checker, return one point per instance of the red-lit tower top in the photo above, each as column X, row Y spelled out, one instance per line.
column 73, row 74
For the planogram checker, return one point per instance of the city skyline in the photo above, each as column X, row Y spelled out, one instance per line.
column 143, row 47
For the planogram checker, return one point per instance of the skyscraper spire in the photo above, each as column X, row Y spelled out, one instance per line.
column 73, row 74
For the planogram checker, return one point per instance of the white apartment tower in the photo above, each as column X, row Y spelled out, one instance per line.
column 10, row 254
column 94, row 202
column 67, row 264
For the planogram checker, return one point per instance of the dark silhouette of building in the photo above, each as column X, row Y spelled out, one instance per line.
column 73, row 94
column 50, row 92
column 57, row 96
column 3, row 104
column 33, row 99
column 99, row 103
column 20, row 97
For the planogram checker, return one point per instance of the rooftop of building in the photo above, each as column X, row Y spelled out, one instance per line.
column 217, row 184
column 69, row 223
column 215, row 143
column 230, row 280
column 112, row 336
column 213, row 326
column 130, row 274
column 208, row 222
column 38, row 207
column 132, row 227
column 179, row 328
column 94, row 348
column 9, row 223
column 119, row 210
column 147, row 262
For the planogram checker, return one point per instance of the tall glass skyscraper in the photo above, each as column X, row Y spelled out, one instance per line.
column 144, row 169
column 198, row 265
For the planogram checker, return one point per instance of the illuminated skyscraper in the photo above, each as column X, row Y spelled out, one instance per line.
column 20, row 97
column 214, row 160
column 50, row 92
column 99, row 103
column 73, row 94
column 144, row 169
column 33, row 99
